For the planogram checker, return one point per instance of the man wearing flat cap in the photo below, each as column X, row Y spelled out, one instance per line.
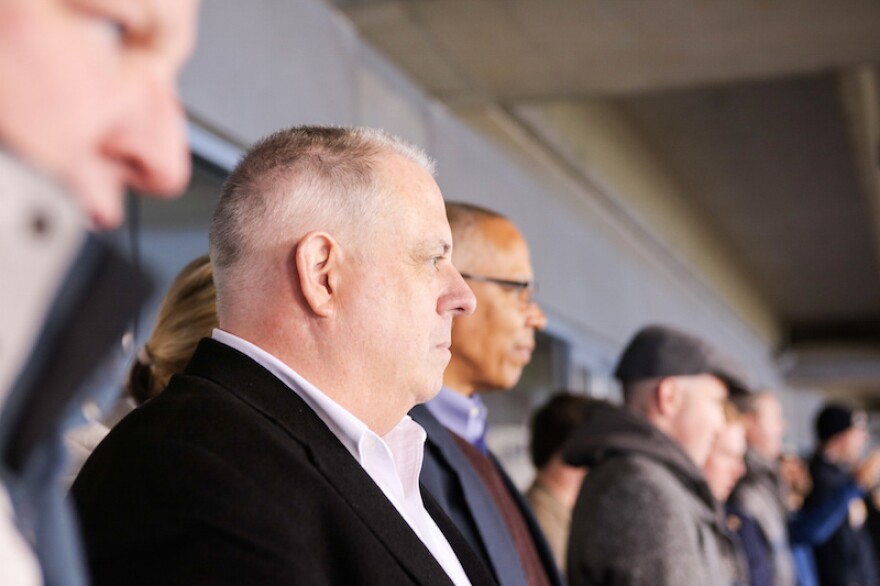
column 847, row 557
column 645, row 514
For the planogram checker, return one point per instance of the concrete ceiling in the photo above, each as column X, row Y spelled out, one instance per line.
column 764, row 113
column 527, row 49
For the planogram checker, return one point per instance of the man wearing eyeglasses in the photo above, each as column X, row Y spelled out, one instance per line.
column 489, row 349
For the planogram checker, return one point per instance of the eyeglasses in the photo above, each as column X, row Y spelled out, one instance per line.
column 526, row 290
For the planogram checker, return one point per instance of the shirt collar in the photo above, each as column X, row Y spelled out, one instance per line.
column 351, row 431
column 464, row 416
column 393, row 461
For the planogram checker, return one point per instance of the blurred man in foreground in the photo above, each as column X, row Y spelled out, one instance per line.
column 88, row 107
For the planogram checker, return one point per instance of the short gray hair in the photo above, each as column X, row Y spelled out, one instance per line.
column 464, row 217
column 300, row 179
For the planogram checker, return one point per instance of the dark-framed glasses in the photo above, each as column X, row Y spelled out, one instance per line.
column 526, row 290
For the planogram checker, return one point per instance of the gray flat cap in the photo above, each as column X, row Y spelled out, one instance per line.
column 660, row 351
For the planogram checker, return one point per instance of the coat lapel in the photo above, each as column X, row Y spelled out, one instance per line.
column 540, row 541
column 490, row 524
column 473, row 565
column 257, row 387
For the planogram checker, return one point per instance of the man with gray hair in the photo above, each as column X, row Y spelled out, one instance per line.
column 284, row 454
column 645, row 514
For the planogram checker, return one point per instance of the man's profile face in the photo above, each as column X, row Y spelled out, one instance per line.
column 491, row 347
column 855, row 438
column 726, row 462
column 407, row 291
column 768, row 427
column 700, row 416
column 89, row 95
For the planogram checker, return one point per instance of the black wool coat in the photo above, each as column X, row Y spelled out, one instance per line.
column 228, row 477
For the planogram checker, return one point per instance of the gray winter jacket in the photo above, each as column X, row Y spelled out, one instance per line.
column 645, row 515
column 760, row 494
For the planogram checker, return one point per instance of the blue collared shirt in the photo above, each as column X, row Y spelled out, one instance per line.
column 462, row 415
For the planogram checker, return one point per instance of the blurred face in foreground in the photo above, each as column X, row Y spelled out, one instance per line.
column 89, row 95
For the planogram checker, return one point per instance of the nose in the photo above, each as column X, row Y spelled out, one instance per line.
column 535, row 316
column 150, row 145
column 459, row 299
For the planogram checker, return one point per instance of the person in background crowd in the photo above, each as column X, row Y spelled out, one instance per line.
column 761, row 492
column 489, row 351
column 795, row 474
column 872, row 523
column 283, row 453
column 847, row 557
column 88, row 107
column 813, row 523
column 765, row 494
column 187, row 314
column 645, row 515
column 556, row 485
column 724, row 467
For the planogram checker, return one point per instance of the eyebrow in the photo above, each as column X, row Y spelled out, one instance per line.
column 142, row 16
column 429, row 248
column 444, row 245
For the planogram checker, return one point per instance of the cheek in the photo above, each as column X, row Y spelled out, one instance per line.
column 471, row 333
column 512, row 371
column 67, row 104
column 705, row 421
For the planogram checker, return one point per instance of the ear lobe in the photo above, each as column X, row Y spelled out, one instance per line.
column 317, row 257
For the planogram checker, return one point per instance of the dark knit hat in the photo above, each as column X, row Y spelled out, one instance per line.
column 836, row 418
column 661, row 351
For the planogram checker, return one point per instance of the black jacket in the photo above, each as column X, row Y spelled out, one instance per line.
column 847, row 558
column 229, row 478
column 450, row 478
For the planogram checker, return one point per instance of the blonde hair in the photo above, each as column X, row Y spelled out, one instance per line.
column 188, row 313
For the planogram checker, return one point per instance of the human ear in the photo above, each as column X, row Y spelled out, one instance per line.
column 669, row 396
column 317, row 258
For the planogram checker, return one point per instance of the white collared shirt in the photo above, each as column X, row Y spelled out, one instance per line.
column 394, row 461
